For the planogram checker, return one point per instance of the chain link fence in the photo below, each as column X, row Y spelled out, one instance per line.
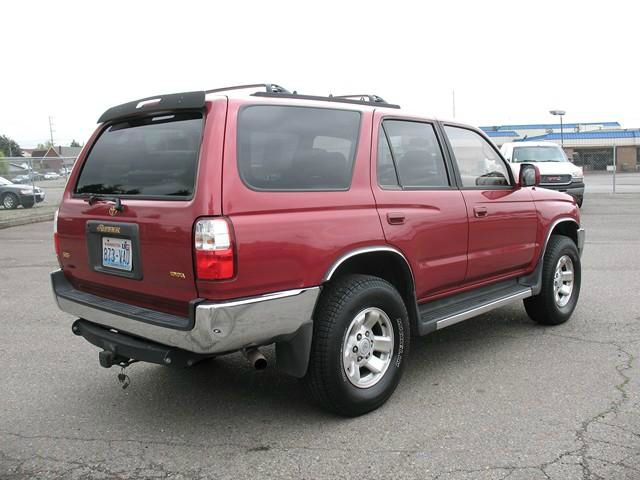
column 608, row 168
column 27, row 183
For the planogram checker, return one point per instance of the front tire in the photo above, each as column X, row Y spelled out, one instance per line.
column 10, row 201
column 561, row 277
column 360, row 343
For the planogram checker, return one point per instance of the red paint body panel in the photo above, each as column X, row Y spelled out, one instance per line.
column 503, row 239
column 288, row 240
column 434, row 234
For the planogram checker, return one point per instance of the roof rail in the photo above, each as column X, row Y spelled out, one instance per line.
column 269, row 88
column 371, row 100
column 363, row 98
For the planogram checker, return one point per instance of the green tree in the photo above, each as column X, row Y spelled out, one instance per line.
column 4, row 166
column 74, row 143
column 9, row 147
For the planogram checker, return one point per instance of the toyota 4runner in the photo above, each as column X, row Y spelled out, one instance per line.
column 199, row 224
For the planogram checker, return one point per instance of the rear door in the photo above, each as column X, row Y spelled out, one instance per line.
column 126, row 219
column 502, row 217
column 421, row 210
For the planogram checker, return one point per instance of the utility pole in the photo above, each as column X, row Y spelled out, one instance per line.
column 560, row 113
column 51, row 130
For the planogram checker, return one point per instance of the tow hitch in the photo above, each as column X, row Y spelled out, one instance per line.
column 108, row 359
column 121, row 349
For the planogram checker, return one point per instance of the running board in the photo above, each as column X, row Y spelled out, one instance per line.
column 451, row 310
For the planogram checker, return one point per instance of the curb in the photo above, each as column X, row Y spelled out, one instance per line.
column 44, row 217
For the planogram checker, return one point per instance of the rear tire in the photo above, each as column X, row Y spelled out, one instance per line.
column 360, row 341
column 561, row 277
column 10, row 201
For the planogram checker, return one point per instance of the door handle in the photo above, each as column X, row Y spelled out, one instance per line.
column 480, row 212
column 396, row 218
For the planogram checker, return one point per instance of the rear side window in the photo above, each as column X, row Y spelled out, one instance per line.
column 297, row 148
column 150, row 156
column 413, row 148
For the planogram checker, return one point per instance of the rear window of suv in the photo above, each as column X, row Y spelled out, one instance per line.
column 287, row 148
column 150, row 157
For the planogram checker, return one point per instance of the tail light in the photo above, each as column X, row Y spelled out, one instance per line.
column 214, row 249
column 56, row 239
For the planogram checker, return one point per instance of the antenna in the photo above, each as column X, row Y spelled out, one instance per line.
column 453, row 102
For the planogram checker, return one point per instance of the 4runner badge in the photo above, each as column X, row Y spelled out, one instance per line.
column 107, row 229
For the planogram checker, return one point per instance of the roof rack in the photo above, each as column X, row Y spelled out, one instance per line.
column 363, row 98
column 371, row 100
column 269, row 88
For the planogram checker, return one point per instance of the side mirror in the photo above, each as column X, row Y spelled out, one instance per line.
column 529, row 175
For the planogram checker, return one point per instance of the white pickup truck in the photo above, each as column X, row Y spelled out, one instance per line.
column 556, row 171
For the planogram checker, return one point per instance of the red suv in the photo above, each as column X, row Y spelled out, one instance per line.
column 204, row 223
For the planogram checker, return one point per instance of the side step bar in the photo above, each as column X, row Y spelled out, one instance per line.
column 449, row 311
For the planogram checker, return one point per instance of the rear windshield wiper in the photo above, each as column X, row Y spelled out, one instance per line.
column 102, row 198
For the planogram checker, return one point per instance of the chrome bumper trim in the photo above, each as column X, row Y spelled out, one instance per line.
column 220, row 327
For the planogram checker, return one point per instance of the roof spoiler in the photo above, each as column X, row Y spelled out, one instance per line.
column 155, row 104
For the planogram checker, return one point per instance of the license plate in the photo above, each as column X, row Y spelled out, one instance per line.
column 117, row 253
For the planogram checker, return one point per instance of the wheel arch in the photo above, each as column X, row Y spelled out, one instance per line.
column 383, row 261
column 566, row 226
column 563, row 226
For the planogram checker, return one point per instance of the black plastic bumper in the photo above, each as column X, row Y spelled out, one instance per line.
column 120, row 347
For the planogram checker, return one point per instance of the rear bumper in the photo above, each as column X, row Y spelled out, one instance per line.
column 216, row 327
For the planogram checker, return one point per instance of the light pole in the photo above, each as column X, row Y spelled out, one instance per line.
column 560, row 113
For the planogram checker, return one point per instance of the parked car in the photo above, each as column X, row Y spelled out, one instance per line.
column 51, row 176
column 204, row 223
column 13, row 195
column 557, row 172
column 21, row 179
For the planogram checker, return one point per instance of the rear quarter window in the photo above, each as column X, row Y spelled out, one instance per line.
column 287, row 148
column 151, row 157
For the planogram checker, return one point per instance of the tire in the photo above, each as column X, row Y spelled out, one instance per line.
column 552, row 306
column 579, row 201
column 10, row 201
column 375, row 309
column 27, row 204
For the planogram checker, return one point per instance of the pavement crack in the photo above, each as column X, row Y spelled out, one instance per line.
column 582, row 433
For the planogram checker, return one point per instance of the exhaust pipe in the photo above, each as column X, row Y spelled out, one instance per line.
column 255, row 358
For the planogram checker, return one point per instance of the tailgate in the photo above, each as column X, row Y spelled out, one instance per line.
column 125, row 223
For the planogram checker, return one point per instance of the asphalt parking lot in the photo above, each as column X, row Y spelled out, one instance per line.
column 495, row 397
